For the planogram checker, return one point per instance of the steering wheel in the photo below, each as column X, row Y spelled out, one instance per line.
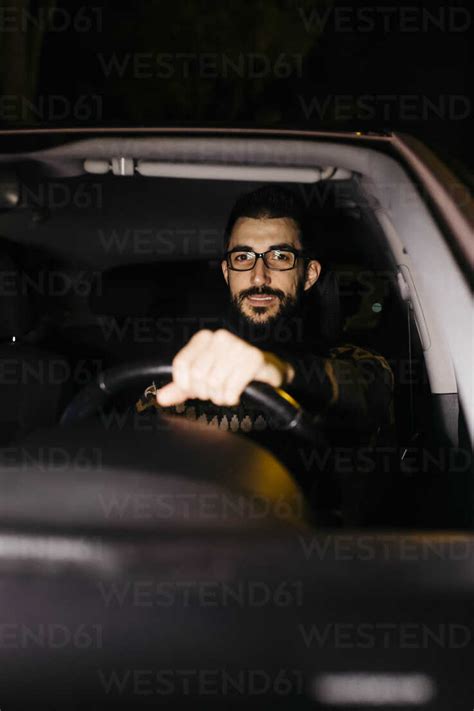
column 287, row 413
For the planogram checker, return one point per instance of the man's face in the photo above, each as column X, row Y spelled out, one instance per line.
column 261, row 295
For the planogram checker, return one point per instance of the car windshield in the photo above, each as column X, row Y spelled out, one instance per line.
column 119, row 270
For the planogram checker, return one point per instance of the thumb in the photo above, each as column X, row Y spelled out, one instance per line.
column 170, row 394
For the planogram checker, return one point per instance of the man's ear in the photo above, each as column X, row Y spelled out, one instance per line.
column 225, row 270
column 313, row 270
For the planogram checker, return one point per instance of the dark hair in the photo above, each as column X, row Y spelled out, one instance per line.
column 270, row 201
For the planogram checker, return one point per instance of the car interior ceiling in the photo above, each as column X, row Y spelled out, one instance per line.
column 136, row 252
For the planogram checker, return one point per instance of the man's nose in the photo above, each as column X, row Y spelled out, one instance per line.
column 260, row 274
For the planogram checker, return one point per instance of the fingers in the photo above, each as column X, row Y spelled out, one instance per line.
column 191, row 355
column 226, row 355
column 170, row 394
column 240, row 377
column 233, row 365
column 218, row 366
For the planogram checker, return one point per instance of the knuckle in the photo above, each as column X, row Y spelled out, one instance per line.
column 232, row 399
column 197, row 372
column 178, row 361
column 215, row 383
column 257, row 356
column 233, row 392
column 221, row 335
column 200, row 337
column 203, row 333
column 219, row 400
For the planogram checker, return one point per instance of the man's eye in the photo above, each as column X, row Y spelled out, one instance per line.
column 281, row 256
column 242, row 257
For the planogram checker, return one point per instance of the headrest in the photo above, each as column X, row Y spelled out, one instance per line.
column 164, row 288
column 16, row 318
column 119, row 296
column 325, row 300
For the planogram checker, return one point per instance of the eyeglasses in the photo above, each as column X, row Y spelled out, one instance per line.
column 279, row 259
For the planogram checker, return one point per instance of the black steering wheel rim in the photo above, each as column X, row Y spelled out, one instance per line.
column 287, row 412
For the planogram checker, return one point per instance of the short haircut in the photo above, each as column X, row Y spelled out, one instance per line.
column 267, row 202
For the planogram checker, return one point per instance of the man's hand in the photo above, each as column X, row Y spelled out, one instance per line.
column 218, row 366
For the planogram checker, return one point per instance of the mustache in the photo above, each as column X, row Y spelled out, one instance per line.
column 260, row 291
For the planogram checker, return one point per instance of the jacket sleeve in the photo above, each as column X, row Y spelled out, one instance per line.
column 353, row 386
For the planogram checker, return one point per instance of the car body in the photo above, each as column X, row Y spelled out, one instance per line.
column 115, row 225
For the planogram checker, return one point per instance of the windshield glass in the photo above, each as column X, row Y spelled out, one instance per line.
column 308, row 65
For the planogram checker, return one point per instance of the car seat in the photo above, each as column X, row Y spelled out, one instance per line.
column 34, row 383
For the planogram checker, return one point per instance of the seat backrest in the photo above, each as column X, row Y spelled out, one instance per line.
column 34, row 383
column 325, row 304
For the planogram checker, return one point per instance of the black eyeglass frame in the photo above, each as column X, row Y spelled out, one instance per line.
column 297, row 253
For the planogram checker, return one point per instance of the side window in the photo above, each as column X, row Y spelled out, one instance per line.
column 364, row 293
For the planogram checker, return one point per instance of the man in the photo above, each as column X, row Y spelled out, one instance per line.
column 270, row 269
column 267, row 270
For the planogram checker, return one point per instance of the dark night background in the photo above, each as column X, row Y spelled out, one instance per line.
column 316, row 64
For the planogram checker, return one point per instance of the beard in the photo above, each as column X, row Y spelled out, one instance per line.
column 283, row 328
